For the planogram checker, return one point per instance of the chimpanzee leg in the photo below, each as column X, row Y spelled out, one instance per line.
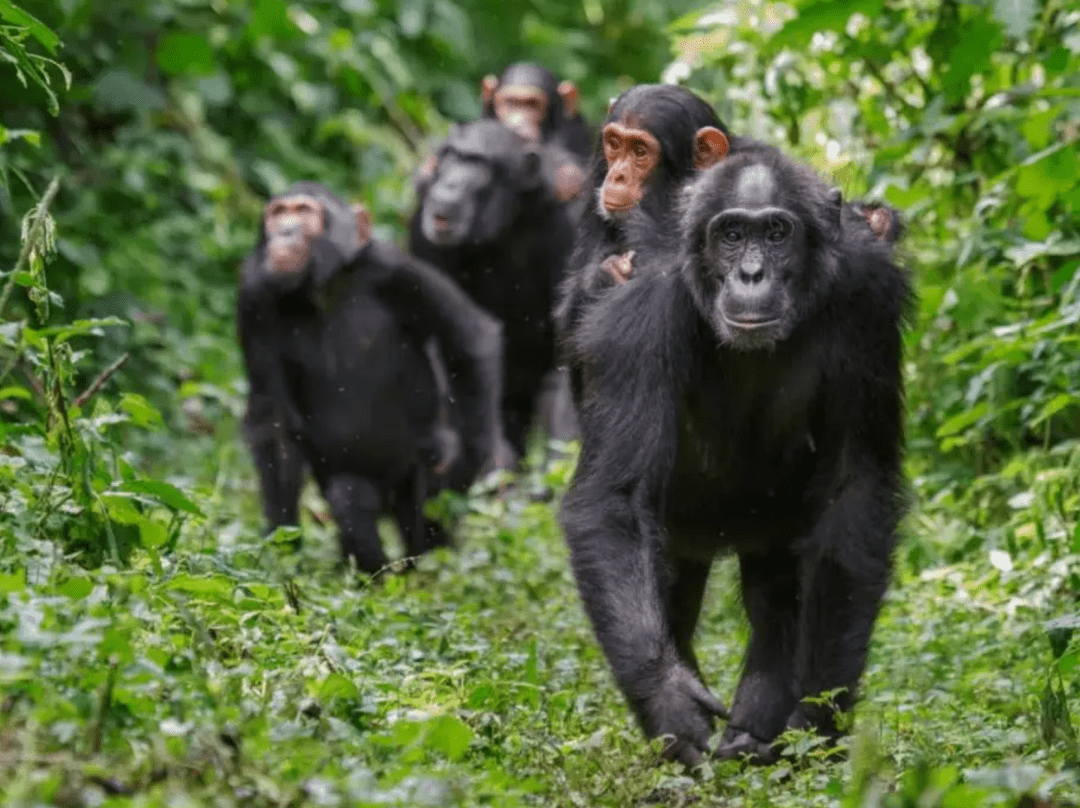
column 280, row 465
column 766, row 693
column 355, row 503
column 684, row 605
column 841, row 586
column 419, row 533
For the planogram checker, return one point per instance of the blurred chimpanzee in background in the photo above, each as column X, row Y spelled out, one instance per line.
column 531, row 101
column 487, row 219
column 332, row 325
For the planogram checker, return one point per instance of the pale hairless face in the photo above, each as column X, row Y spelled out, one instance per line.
column 521, row 107
column 632, row 154
column 291, row 223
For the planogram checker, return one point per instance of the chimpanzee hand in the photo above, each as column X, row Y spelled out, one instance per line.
column 737, row 743
column 620, row 267
column 682, row 709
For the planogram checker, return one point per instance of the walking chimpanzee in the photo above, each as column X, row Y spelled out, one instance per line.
column 743, row 393
column 487, row 218
column 332, row 325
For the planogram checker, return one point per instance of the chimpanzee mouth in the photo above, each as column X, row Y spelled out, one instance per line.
column 750, row 322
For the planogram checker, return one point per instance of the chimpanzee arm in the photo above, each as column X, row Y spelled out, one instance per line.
column 633, row 352
column 427, row 303
column 270, row 421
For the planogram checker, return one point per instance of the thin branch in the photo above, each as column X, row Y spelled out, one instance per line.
column 103, row 377
column 32, row 236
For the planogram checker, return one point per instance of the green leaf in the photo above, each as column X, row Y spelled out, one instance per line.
column 337, row 686
column 958, row 423
column 821, row 15
column 186, row 54
column 13, row 581
column 168, row 494
column 16, row 16
column 79, row 328
column 1054, row 405
column 15, row 392
column 153, row 534
column 142, row 412
column 76, row 588
column 449, row 735
column 218, row 586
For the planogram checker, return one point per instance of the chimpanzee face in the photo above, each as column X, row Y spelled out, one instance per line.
column 635, row 163
column 529, row 101
column 474, row 193
column 522, row 108
column 632, row 154
column 308, row 236
column 291, row 223
column 749, row 259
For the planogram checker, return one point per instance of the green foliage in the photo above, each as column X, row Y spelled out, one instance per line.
column 155, row 648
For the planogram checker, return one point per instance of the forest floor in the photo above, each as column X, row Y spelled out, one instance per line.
column 230, row 671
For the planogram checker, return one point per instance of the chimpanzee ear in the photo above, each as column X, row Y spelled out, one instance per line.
column 363, row 223
column 568, row 92
column 710, row 147
column 488, row 85
column 610, row 105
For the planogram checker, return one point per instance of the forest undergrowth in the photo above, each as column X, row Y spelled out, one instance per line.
column 156, row 649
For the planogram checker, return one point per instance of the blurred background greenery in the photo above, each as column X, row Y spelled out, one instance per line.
column 166, row 124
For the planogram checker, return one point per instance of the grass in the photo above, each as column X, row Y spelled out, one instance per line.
column 233, row 672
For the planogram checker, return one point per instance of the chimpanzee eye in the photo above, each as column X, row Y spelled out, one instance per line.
column 778, row 231
column 732, row 236
column 640, row 150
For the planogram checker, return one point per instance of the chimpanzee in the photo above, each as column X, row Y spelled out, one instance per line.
column 488, row 220
column 743, row 393
column 532, row 102
column 654, row 138
column 332, row 325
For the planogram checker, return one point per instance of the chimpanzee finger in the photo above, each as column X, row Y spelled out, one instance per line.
column 705, row 699
column 686, row 752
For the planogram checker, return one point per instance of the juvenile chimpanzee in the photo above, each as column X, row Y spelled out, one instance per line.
column 489, row 221
column 654, row 137
column 332, row 325
column 744, row 394
column 532, row 102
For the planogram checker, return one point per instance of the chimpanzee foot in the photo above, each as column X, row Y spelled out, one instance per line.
column 738, row 744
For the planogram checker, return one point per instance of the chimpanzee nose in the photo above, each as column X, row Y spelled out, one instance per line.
column 752, row 267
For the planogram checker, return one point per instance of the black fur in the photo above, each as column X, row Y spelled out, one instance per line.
column 505, row 240
column 339, row 381
column 786, row 451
